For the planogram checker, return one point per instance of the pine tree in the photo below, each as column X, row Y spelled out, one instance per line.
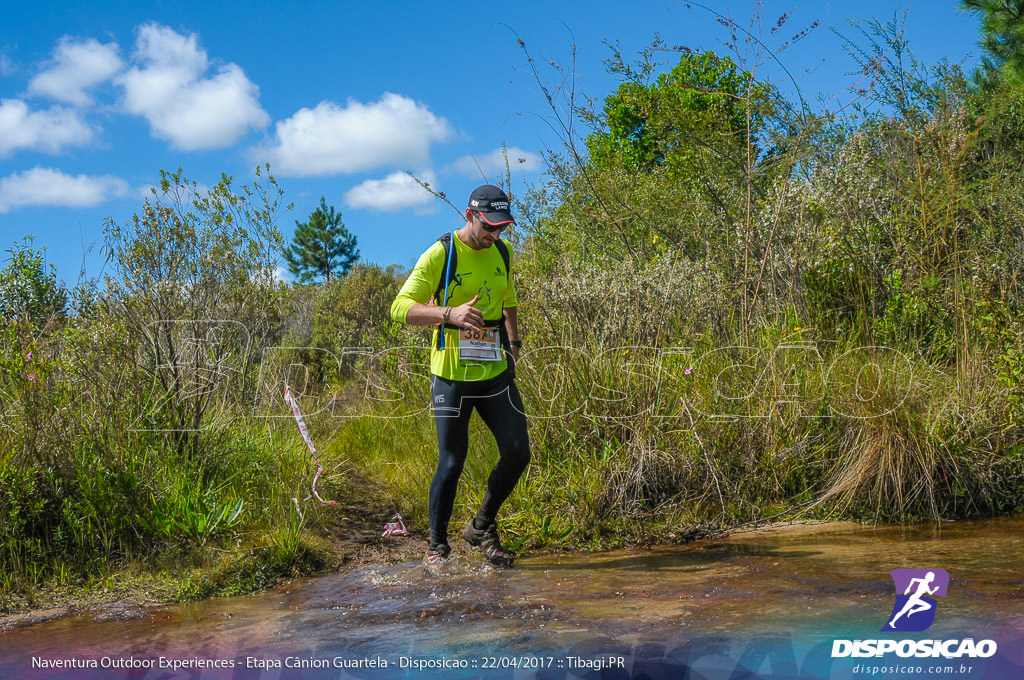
column 1002, row 28
column 322, row 247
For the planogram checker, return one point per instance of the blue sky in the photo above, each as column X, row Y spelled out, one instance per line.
column 340, row 97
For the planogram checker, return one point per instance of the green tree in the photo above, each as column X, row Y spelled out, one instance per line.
column 193, row 285
column 1002, row 27
column 353, row 312
column 677, row 117
column 673, row 162
column 322, row 248
column 28, row 287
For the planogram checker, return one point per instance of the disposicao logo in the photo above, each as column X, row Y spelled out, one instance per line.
column 914, row 611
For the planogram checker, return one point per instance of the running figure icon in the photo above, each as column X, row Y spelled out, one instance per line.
column 915, row 606
column 916, row 603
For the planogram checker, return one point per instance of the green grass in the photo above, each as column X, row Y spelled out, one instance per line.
column 722, row 437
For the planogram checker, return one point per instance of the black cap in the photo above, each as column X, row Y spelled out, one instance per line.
column 492, row 204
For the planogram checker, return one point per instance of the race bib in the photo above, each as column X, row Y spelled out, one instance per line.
column 479, row 345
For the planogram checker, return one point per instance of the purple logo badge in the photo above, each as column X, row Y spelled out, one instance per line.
column 915, row 608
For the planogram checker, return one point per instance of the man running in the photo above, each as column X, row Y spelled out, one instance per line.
column 467, row 275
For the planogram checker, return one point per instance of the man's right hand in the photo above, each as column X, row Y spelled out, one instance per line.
column 467, row 316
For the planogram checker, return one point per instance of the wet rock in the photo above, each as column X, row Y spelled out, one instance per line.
column 119, row 611
column 12, row 621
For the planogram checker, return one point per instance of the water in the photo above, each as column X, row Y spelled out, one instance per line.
column 772, row 602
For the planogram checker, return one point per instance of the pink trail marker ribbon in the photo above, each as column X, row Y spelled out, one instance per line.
column 396, row 527
column 309, row 442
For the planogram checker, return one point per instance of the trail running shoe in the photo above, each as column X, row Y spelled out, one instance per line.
column 438, row 559
column 487, row 540
column 437, row 555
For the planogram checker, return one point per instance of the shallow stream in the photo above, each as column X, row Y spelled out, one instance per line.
column 770, row 602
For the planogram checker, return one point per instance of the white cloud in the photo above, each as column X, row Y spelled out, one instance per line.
column 493, row 164
column 164, row 47
column 183, row 106
column 51, row 187
column 77, row 66
column 49, row 131
column 331, row 139
column 397, row 191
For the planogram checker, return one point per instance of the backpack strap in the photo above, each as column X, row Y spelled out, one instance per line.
column 441, row 294
column 503, row 249
column 452, row 266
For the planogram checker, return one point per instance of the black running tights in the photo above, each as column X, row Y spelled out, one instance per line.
column 501, row 408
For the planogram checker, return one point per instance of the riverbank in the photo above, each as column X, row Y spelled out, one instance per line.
column 342, row 536
column 352, row 541
column 133, row 592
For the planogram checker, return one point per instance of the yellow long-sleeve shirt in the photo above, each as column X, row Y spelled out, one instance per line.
column 480, row 272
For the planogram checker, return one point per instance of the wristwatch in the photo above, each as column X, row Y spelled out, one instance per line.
column 516, row 343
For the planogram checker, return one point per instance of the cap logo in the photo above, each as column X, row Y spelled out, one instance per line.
column 474, row 203
column 499, row 205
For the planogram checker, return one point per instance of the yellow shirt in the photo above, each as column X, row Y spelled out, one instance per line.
column 480, row 272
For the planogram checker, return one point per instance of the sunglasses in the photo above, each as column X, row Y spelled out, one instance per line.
column 491, row 228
